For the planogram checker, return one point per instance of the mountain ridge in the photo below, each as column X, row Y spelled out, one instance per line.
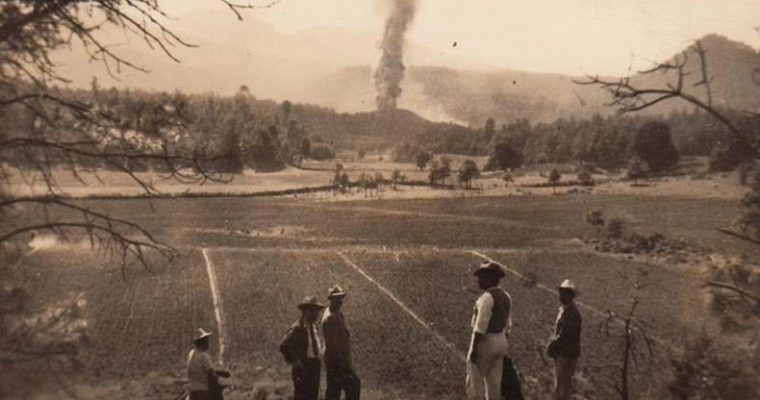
column 438, row 86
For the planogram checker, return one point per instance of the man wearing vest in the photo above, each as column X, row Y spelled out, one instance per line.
column 565, row 345
column 338, row 364
column 302, row 348
column 490, row 329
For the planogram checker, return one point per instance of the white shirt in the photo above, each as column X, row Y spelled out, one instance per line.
column 481, row 316
column 198, row 366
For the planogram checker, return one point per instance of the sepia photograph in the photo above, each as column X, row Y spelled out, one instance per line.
column 380, row 199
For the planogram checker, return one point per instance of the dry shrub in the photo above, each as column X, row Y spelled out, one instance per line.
column 595, row 218
column 716, row 368
column 616, row 227
column 737, row 312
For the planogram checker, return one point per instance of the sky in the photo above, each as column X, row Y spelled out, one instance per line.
column 608, row 37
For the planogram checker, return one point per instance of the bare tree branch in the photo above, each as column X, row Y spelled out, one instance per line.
column 732, row 288
column 628, row 97
column 68, row 135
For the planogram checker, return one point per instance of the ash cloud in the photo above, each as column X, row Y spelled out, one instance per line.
column 389, row 71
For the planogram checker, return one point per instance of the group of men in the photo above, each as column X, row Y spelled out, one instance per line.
column 304, row 348
column 312, row 341
column 489, row 347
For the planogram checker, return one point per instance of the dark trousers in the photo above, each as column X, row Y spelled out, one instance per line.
column 339, row 380
column 199, row 395
column 306, row 380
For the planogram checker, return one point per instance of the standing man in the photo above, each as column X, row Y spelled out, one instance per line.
column 340, row 371
column 200, row 370
column 302, row 348
column 565, row 344
column 490, row 329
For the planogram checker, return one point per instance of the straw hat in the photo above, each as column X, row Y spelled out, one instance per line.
column 201, row 334
column 336, row 291
column 491, row 268
column 310, row 302
column 569, row 285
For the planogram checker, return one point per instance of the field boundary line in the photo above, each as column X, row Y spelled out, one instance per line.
column 217, row 301
column 403, row 306
column 553, row 291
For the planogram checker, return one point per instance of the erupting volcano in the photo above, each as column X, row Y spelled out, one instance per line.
column 389, row 71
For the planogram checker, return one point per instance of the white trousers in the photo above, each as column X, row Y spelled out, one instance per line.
column 484, row 376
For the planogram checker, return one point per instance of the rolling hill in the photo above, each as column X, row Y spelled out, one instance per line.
column 471, row 97
column 330, row 67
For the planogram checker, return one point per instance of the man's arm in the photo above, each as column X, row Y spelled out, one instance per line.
column 287, row 347
column 568, row 332
column 484, row 307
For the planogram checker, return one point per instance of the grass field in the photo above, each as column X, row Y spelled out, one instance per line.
column 407, row 265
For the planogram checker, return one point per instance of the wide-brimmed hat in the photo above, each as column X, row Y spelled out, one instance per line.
column 201, row 334
column 568, row 285
column 336, row 292
column 310, row 302
column 490, row 267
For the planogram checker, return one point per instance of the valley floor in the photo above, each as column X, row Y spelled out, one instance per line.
column 407, row 266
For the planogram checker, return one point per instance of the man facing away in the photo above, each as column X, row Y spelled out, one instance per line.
column 302, row 348
column 200, row 370
column 565, row 344
column 341, row 376
column 490, row 325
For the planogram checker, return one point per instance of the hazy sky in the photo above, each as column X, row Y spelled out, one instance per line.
column 565, row 36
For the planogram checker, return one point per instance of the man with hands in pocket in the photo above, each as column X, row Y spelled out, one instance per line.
column 303, row 349
column 490, row 328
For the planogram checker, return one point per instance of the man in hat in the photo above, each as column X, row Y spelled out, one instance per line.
column 200, row 370
column 565, row 344
column 302, row 348
column 340, row 371
column 490, row 329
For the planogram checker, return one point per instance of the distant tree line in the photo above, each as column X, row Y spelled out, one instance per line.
column 606, row 142
column 232, row 132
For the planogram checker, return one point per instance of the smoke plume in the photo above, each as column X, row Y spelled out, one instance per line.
column 389, row 71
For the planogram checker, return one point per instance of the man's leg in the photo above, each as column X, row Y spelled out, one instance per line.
column 493, row 378
column 306, row 381
column 564, row 368
column 334, row 387
column 353, row 387
column 571, row 365
column 298, row 387
column 313, row 368
column 474, row 382
column 199, row 395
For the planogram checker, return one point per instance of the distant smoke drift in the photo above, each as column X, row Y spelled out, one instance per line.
column 389, row 71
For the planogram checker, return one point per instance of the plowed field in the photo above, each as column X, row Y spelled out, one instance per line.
column 407, row 266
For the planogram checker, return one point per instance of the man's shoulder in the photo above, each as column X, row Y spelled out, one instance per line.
column 485, row 297
column 573, row 312
column 296, row 326
column 327, row 315
column 197, row 357
column 497, row 291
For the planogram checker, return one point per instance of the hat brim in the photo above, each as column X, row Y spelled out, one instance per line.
column 204, row 336
column 337, row 295
column 304, row 306
column 495, row 272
